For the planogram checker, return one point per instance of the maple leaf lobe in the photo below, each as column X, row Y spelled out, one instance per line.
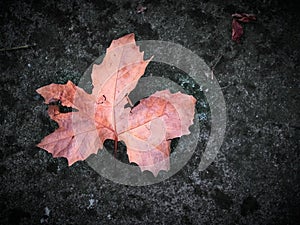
column 148, row 134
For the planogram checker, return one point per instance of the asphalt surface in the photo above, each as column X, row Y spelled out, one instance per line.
column 253, row 180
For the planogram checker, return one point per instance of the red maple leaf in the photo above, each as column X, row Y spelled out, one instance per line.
column 146, row 129
column 237, row 29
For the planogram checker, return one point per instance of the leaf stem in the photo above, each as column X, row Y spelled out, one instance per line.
column 116, row 146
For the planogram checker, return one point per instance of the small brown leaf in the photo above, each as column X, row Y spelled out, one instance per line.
column 244, row 17
column 237, row 29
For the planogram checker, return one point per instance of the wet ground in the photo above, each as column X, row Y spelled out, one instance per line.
column 255, row 176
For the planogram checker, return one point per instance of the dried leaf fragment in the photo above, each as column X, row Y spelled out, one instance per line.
column 237, row 29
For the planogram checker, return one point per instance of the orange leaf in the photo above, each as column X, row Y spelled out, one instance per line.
column 146, row 129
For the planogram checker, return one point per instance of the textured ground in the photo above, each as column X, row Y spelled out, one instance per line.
column 254, row 177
